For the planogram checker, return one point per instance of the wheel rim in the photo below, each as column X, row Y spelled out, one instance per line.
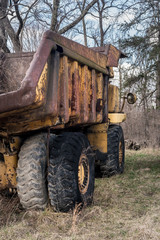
column 83, row 173
column 120, row 154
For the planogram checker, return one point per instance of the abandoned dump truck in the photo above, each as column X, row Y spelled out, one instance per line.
column 58, row 116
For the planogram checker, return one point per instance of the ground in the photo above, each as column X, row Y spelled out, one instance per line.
column 126, row 207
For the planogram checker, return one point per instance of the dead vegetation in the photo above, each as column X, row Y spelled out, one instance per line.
column 10, row 208
column 141, row 128
column 126, row 207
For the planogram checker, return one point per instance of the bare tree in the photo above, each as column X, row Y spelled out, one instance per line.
column 17, row 17
column 102, row 21
column 81, row 7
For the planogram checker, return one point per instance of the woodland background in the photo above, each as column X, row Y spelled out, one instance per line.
column 132, row 26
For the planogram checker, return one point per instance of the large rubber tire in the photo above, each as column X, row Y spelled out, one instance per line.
column 31, row 172
column 69, row 153
column 114, row 162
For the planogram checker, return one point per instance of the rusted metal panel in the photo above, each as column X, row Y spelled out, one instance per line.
column 22, row 126
column 8, row 166
column 25, row 95
column 93, row 99
column 79, row 52
column 112, row 53
column 105, row 97
column 63, row 90
column 70, row 85
column 113, row 56
column 51, row 107
column 50, row 104
column 113, row 99
column 75, row 90
column 75, row 96
column 84, row 94
column 44, row 116
column 13, row 68
column 99, row 103
column 90, row 95
column 11, row 165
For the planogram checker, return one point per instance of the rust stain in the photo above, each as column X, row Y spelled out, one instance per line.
column 79, row 51
column 99, row 103
column 75, row 103
column 63, row 89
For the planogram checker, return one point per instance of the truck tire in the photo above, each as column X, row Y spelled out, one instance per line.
column 31, row 172
column 114, row 162
column 70, row 172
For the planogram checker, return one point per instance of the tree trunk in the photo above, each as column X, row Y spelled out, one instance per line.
column 7, row 29
column 3, row 38
column 84, row 32
column 54, row 14
column 12, row 35
column 158, row 72
column 101, row 25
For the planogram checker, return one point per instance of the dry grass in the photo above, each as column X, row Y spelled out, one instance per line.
column 125, row 207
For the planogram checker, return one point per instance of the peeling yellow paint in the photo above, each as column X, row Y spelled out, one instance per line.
column 42, row 86
column 113, row 99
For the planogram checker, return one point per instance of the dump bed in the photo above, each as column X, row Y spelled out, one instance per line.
column 62, row 85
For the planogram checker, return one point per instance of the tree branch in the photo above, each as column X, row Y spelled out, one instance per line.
column 18, row 17
column 71, row 25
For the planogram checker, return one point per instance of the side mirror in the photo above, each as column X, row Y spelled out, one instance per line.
column 131, row 98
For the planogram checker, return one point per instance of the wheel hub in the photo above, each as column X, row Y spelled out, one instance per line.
column 83, row 173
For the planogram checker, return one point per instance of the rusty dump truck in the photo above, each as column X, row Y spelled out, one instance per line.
column 59, row 121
